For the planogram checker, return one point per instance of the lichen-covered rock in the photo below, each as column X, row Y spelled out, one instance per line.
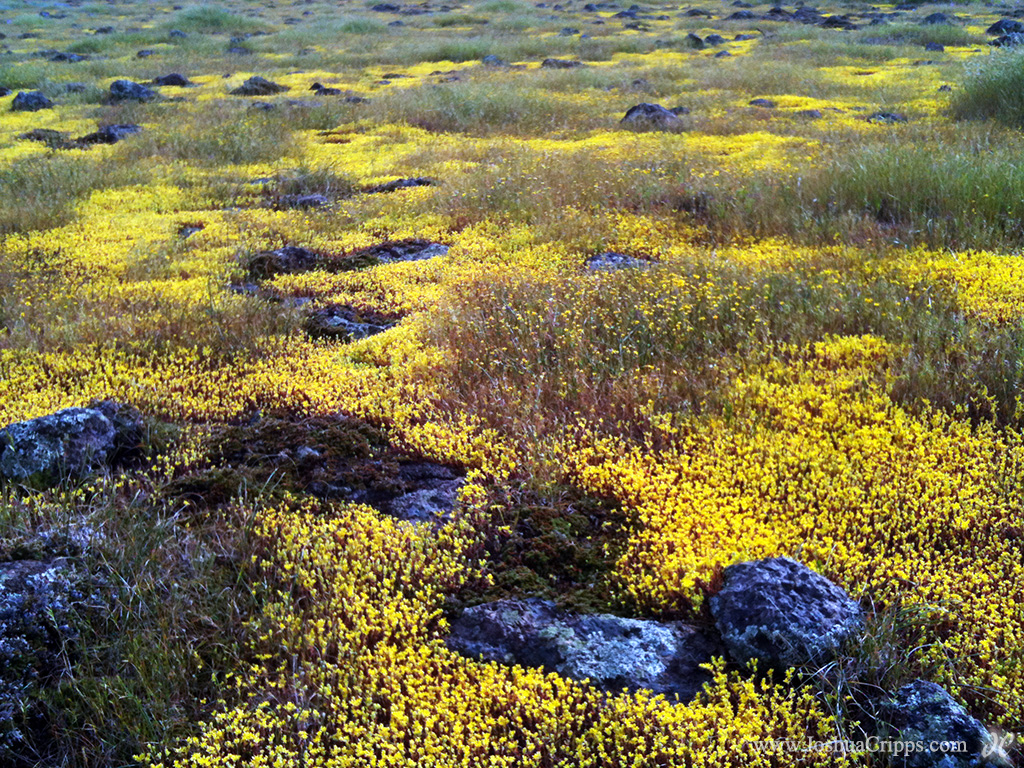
column 782, row 613
column 345, row 323
column 612, row 652
column 72, row 442
column 36, row 602
column 923, row 713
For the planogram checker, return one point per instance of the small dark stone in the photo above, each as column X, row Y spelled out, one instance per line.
column 764, row 103
column 344, row 323
column 810, row 114
column 386, row 8
column 145, row 53
column 679, row 110
column 723, row 55
column 568, row 32
column 741, row 16
column 713, row 39
column 936, row 18
column 490, row 60
column 936, row 47
column 945, row 88
column 694, row 41
column 177, row 34
column 68, row 57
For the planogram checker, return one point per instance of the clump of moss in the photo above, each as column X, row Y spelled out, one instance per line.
column 558, row 545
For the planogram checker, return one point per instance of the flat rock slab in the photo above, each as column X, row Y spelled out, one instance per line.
column 782, row 613
column 611, row 652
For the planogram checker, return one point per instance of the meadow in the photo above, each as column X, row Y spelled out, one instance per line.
column 818, row 353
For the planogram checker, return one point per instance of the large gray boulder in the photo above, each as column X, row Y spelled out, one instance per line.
column 612, row 652
column 782, row 613
column 924, row 713
column 72, row 442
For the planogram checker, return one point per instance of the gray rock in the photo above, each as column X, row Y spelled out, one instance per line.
column 650, row 117
column 127, row 90
column 560, row 64
column 258, row 86
column 345, row 323
column 694, row 41
column 30, row 101
column 433, row 495
column 1006, row 27
column 924, row 712
column 172, row 79
column 612, row 652
column 782, row 613
column 66, row 57
column 72, row 442
column 490, row 60
column 937, row 18
column 302, row 201
column 286, row 260
column 610, row 260
column 393, row 186
column 410, row 250
column 763, row 103
column 110, row 134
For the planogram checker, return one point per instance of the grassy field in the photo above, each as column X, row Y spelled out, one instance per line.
column 820, row 356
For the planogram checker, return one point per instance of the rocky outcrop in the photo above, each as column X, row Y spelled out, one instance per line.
column 611, row 652
column 782, row 613
column 73, row 442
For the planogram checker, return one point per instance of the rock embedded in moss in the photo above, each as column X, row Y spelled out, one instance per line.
column 611, row 652
column 780, row 612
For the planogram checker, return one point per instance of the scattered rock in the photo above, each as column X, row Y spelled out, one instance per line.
column 714, row 40
column 610, row 260
column 72, row 442
column 51, row 138
column 936, row 47
column 937, row 18
column 490, row 60
column 283, row 261
column 568, row 32
column 924, row 712
column 4, row 91
column 70, row 58
column 258, row 86
column 126, row 90
column 560, row 64
column 741, row 16
column 611, row 652
column 321, row 90
column 694, row 41
column 173, row 79
column 1008, row 41
column 30, row 101
column 810, row 114
column 145, row 53
column 887, row 118
column 763, row 103
column 109, row 134
column 392, row 186
column 782, row 613
column 403, row 250
column 345, row 323
column 650, row 117
column 302, row 202
column 677, row 111
column 387, row 8
column 421, row 491
column 945, row 88
column 723, row 55
column 177, row 34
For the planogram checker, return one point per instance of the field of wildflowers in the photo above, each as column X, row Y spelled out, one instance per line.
column 818, row 352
